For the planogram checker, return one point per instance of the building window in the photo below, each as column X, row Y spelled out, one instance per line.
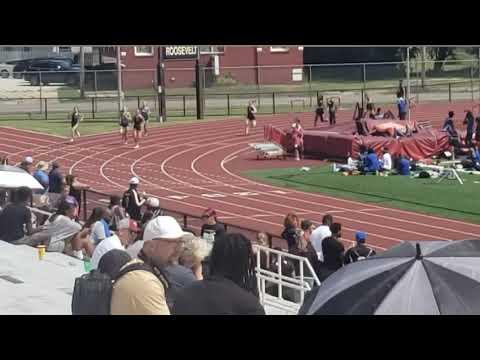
column 279, row 49
column 143, row 50
column 212, row 50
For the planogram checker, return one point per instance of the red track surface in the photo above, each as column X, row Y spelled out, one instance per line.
column 194, row 166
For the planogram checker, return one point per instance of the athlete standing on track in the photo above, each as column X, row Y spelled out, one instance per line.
column 319, row 111
column 138, row 122
column 125, row 119
column 332, row 110
column 251, row 111
column 145, row 110
column 75, row 121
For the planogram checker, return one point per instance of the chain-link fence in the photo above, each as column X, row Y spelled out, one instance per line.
column 277, row 89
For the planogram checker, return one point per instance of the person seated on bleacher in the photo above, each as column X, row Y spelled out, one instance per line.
column 372, row 165
column 15, row 218
column 152, row 210
column 98, row 222
column 59, row 229
column 360, row 251
column 117, row 211
column 41, row 174
column 304, row 248
column 211, row 228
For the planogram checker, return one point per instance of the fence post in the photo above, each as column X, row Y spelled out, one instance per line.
column 84, row 205
column 40, row 83
column 228, row 104
column 95, row 82
column 310, row 78
column 273, row 102
column 93, row 107
column 364, row 76
column 184, row 107
column 138, row 102
column 449, row 92
column 46, row 109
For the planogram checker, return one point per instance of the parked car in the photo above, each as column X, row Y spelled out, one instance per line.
column 6, row 70
column 47, row 71
column 21, row 66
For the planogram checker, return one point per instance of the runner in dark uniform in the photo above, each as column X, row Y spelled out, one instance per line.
column 251, row 111
column 75, row 121
column 319, row 111
column 145, row 110
column 332, row 110
column 125, row 119
column 138, row 122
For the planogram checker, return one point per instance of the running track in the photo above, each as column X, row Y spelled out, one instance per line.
column 194, row 166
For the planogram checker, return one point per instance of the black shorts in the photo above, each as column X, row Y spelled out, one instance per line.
column 137, row 127
column 319, row 112
column 74, row 123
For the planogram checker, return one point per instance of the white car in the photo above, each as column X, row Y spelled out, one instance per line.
column 6, row 70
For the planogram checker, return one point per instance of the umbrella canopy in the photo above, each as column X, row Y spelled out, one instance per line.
column 422, row 278
column 12, row 177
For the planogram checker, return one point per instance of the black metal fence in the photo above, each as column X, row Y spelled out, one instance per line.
column 227, row 104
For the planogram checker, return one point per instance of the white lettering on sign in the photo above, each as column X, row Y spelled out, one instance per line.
column 171, row 51
column 213, row 195
column 246, row 193
column 177, row 197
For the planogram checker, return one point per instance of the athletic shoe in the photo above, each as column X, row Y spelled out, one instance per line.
column 71, row 140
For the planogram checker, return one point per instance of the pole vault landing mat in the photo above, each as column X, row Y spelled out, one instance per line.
column 338, row 141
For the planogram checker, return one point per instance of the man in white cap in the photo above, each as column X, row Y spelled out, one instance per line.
column 143, row 292
column 131, row 200
column 26, row 164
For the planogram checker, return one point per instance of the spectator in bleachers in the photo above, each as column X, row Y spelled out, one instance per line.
column 75, row 187
column 360, row 251
column 56, row 183
column 152, row 210
column 127, row 230
column 304, row 248
column 59, row 229
column 26, row 164
column 142, row 292
column 112, row 261
column 132, row 201
column 41, row 174
column 98, row 225
column 333, row 249
column 211, row 228
column 291, row 229
column 320, row 233
column 117, row 211
column 194, row 252
column 231, row 286
column 16, row 218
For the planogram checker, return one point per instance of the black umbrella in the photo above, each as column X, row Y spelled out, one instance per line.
column 424, row 278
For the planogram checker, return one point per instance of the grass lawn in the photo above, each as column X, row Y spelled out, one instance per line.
column 448, row 198
column 88, row 126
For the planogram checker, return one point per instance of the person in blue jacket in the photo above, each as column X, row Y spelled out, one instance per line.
column 403, row 166
column 372, row 165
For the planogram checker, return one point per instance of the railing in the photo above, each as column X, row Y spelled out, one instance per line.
column 299, row 283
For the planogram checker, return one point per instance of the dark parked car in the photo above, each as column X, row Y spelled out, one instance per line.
column 21, row 66
column 47, row 71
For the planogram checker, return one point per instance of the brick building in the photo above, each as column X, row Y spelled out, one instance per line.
column 231, row 64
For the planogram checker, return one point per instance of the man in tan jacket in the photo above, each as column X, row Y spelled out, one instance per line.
column 142, row 292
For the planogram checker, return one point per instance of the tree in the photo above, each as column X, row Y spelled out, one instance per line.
column 440, row 54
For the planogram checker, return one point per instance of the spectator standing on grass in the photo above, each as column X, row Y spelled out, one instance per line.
column 41, row 174
column 16, row 218
column 320, row 233
column 132, row 201
column 319, row 111
column 291, row 229
column 125, row 119
column 75, row 123
column 117, row 211
column 402, row 106
column 26, row 164
column 333, row 249
column 211, row 228
column 145, row 111
column 332, row 112
column 360, row 251
column 230, row 288
column 469, row 122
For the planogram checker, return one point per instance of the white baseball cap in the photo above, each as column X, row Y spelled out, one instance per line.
column 163, row 227
column 153, row 202
column 29, row 160
column 134, row 181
